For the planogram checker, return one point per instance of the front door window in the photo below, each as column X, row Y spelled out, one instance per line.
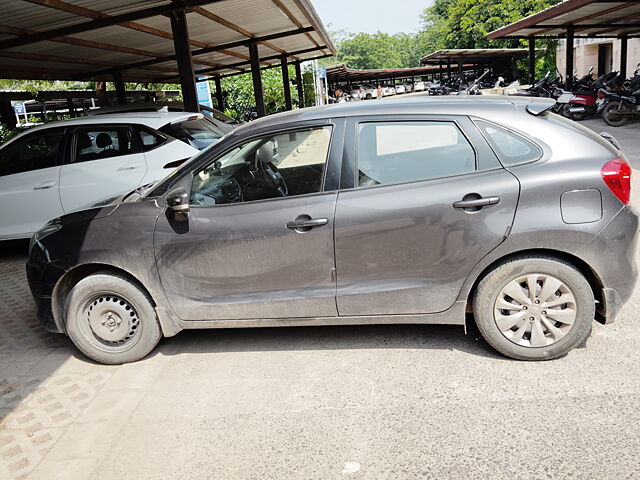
column 285, row 165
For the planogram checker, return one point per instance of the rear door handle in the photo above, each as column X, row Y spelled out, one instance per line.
column 476, row 202
column 45, row 185
column 307, row 223
column 129, row 166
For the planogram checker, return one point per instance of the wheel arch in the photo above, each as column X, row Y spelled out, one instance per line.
column 595, row 282
column 65, row 283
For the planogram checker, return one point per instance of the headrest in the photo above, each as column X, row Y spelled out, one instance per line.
column 103, row 140
column 264, row 153
column 84, row 141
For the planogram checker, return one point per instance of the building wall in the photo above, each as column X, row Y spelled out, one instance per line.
column 586, row 54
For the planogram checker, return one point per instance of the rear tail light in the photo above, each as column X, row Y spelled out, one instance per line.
column 176, row 163
column 617, row 175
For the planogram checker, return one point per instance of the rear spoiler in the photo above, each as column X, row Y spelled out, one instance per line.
column 539, row 106
column 188, row 116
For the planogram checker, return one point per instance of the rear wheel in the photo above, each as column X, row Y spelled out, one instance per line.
column 534, row 308
column 615, row 114
column 110, row 319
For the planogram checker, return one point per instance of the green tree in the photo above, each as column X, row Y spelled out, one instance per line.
column 466, row 23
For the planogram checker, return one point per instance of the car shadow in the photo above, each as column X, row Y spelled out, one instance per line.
column 358, row 337
column 30, row 356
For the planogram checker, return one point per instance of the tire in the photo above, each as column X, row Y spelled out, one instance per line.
column 546, row 342
column 611, row 117
column 110, row 319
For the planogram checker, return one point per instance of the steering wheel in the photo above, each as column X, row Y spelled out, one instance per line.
column 267, row 174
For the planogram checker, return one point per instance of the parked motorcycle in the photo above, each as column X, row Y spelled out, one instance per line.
column 622, row 105
column 474, row 88
column 585, row 101
column 542, row 88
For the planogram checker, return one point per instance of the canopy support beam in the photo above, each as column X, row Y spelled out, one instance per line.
column 569, row 59
column 286, row 83
column 532, row 60
column 257, row 79
column 299, row 85
column 121, row 93
column 180, row 32
column 623, row 56
column 219, row 96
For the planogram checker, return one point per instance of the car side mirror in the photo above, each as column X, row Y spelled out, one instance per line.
column 178, row 200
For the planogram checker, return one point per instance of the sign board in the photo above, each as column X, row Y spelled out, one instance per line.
column 322, row 72
column 18, row 107
column 204, row 94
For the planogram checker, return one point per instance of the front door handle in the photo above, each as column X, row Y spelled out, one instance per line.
column 45, row 185
column 306, row 223
column 476, row 202
column 130, row 166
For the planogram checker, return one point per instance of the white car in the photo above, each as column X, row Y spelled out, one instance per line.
column 70, row 165
column 419, row 87
column 400, row 89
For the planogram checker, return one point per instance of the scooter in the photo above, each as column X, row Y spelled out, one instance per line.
column 585, row 101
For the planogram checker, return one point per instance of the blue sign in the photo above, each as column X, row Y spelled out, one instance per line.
column 18, row 107
column 204, row 94
column 322, row 72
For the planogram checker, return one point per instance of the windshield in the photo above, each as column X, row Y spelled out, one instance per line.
column 197, row 132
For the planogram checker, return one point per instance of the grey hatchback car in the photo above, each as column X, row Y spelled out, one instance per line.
column 407, row 211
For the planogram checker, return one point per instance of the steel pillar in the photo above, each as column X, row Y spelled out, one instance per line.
column 257, row 79
column 532, row 60
column 180, row 32
column 299, row 85
column 623, row 56
column 569, row 58
column 286, row 83
column 121, row 92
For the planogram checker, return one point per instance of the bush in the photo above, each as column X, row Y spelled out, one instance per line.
column 6, row 133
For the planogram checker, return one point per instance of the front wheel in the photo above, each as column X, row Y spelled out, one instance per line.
column 110, row 319
column 534, row 308
column 615, row 114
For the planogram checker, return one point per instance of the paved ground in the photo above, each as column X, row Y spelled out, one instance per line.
column 315, row 403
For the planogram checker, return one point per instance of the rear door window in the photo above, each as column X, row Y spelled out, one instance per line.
column 197, row 132
column 96, row 143
column 400, row 152
column 33, row 152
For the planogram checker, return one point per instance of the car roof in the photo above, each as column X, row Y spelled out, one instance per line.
column 150, row 119
column 418, row 103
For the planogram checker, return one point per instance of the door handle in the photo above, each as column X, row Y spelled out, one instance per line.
column 45, row 185
column 307, row 223
column 130, row 166
column 476, row 202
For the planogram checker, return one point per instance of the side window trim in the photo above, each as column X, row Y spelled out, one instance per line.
column 335, row 131
column 385, row 119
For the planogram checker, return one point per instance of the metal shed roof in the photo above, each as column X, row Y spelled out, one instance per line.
column 89, row 39
column 588, row 18
column 473, row 54
column 341, row 72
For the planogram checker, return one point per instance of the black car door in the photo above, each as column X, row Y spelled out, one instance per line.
column 246, row 253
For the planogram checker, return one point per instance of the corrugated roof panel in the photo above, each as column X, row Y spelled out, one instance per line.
column 255, row 17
